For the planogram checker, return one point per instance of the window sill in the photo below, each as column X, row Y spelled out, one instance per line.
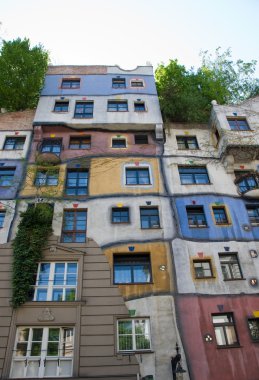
column 198, row 227
column 224, row 347
column 60, row 111
column 135, row 352
column 116, row 111
column 54, row 303
column 120, row 223
column 133, row 283
column 196, row 184
column 205, row 278
column 223, row 225
column 235, row 279
column 152, row 228
column 85, row 117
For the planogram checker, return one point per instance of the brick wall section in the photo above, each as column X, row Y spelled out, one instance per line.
column 76, row 70
column 17, row 121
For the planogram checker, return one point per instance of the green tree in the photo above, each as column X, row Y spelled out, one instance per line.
column 22, row 70
column 186, row 95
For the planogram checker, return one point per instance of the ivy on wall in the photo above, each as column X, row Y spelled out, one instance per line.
column 32, row 235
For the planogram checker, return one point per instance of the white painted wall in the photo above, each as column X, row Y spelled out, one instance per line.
column 14, row 154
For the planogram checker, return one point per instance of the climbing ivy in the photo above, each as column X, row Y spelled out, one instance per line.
column 32, row 235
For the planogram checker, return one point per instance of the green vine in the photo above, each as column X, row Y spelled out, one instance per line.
column 32, row 235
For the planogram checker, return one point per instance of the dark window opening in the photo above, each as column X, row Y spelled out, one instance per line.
column 118, row 82
column 70, row 83
column 118, row 143
column 132, row 269
column 196, row 216
column 61, row 106
column 149, row 217
column 141, row 139
column 120, row 215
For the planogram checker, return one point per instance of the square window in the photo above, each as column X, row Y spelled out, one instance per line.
column 2, row 216
column 137, row 83
column 139, row 106
column 14, row 143
column 202, row 269
column 80, row 142
column 253, row 214
column 132, row 269
column 117, row 106
column 6, row 176
column 118, row 82
column 70, row 83
column 253, row 325
column 56, row 282
column 120, row 215
column 137, row 176
column 141, row 139
column 61, row 106
column 196, row 216
column 77, row 182
column 51, row 146
column 230, row 266
column 246, row 180
column 46, row 178
column 220, row 215
column 187, row 142
column 224, row 328
column 193, row 175
column 133, row 335
column 119, row 143
column 149, row 217
column 238, row 124
column 84, row 110
column 74, row 226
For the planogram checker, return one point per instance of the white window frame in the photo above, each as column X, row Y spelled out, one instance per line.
column 147, row 334
column 50, row 285
column 29, row 364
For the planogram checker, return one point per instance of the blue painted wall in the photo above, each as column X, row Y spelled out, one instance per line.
column 97, row 85
column 10, row 192
column 234, row 231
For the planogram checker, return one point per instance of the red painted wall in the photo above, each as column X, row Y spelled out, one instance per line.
column 100, row 142
column 206, row 361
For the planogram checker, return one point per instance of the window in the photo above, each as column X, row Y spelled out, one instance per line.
column 253, row 325
column 246, row 181
column 238, row 124
column 202, row 269
column 137, row 176
column 220, row 215
column 193, row 175
column 77, row 182
column 80, row 142
column 6, row 176
column 14, row 143
column 117, row 105
column 118, row 143
column 43, row 352
column 84, row 110
column 74, row 226
column 61, row 106
column 187, row 142
column 149, row 217
column 133, row 335
column 132, row 269
column 225, row 329
column 120, row 215
column 196, row 216
column 230, row 266
column 141, row 139
column 70, row 83
column 253, row 215
column 139, row 106
column 46, row 178
column 51, row 146
column 118, row 82
column 2, row 216
column 137, row 83
column 56, row 282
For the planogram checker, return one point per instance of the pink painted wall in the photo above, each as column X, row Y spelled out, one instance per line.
column 100, row 142
column 206, row 361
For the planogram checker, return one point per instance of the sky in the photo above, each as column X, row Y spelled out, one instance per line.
column 129, row 33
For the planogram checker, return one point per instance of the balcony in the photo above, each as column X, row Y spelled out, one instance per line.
column 242, row 145
column 248, row 184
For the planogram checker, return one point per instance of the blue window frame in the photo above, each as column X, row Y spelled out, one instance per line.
column 77, row 182
column 84, row 110
column 74, row 226
column 238, row 124
column 149, row 217
column 137, row 176
column 51, row 146
column 132, row 269
column 70, row 83
column 253, row 214
column 14, row 143
column 61, row 106
column 118, row 82
column 117, row 106
column 193, row 175
column 2, row 216
column 120, row 215
column 220, row 215
column 139, row 106
column 196, row 216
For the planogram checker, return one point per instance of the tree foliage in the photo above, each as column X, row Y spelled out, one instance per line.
column 22, row 70
column 31, row 237
column 186, row 95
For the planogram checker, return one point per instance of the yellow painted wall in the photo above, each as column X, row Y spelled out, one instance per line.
column 159, row 255
column 107, row 176
column 29, row 189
